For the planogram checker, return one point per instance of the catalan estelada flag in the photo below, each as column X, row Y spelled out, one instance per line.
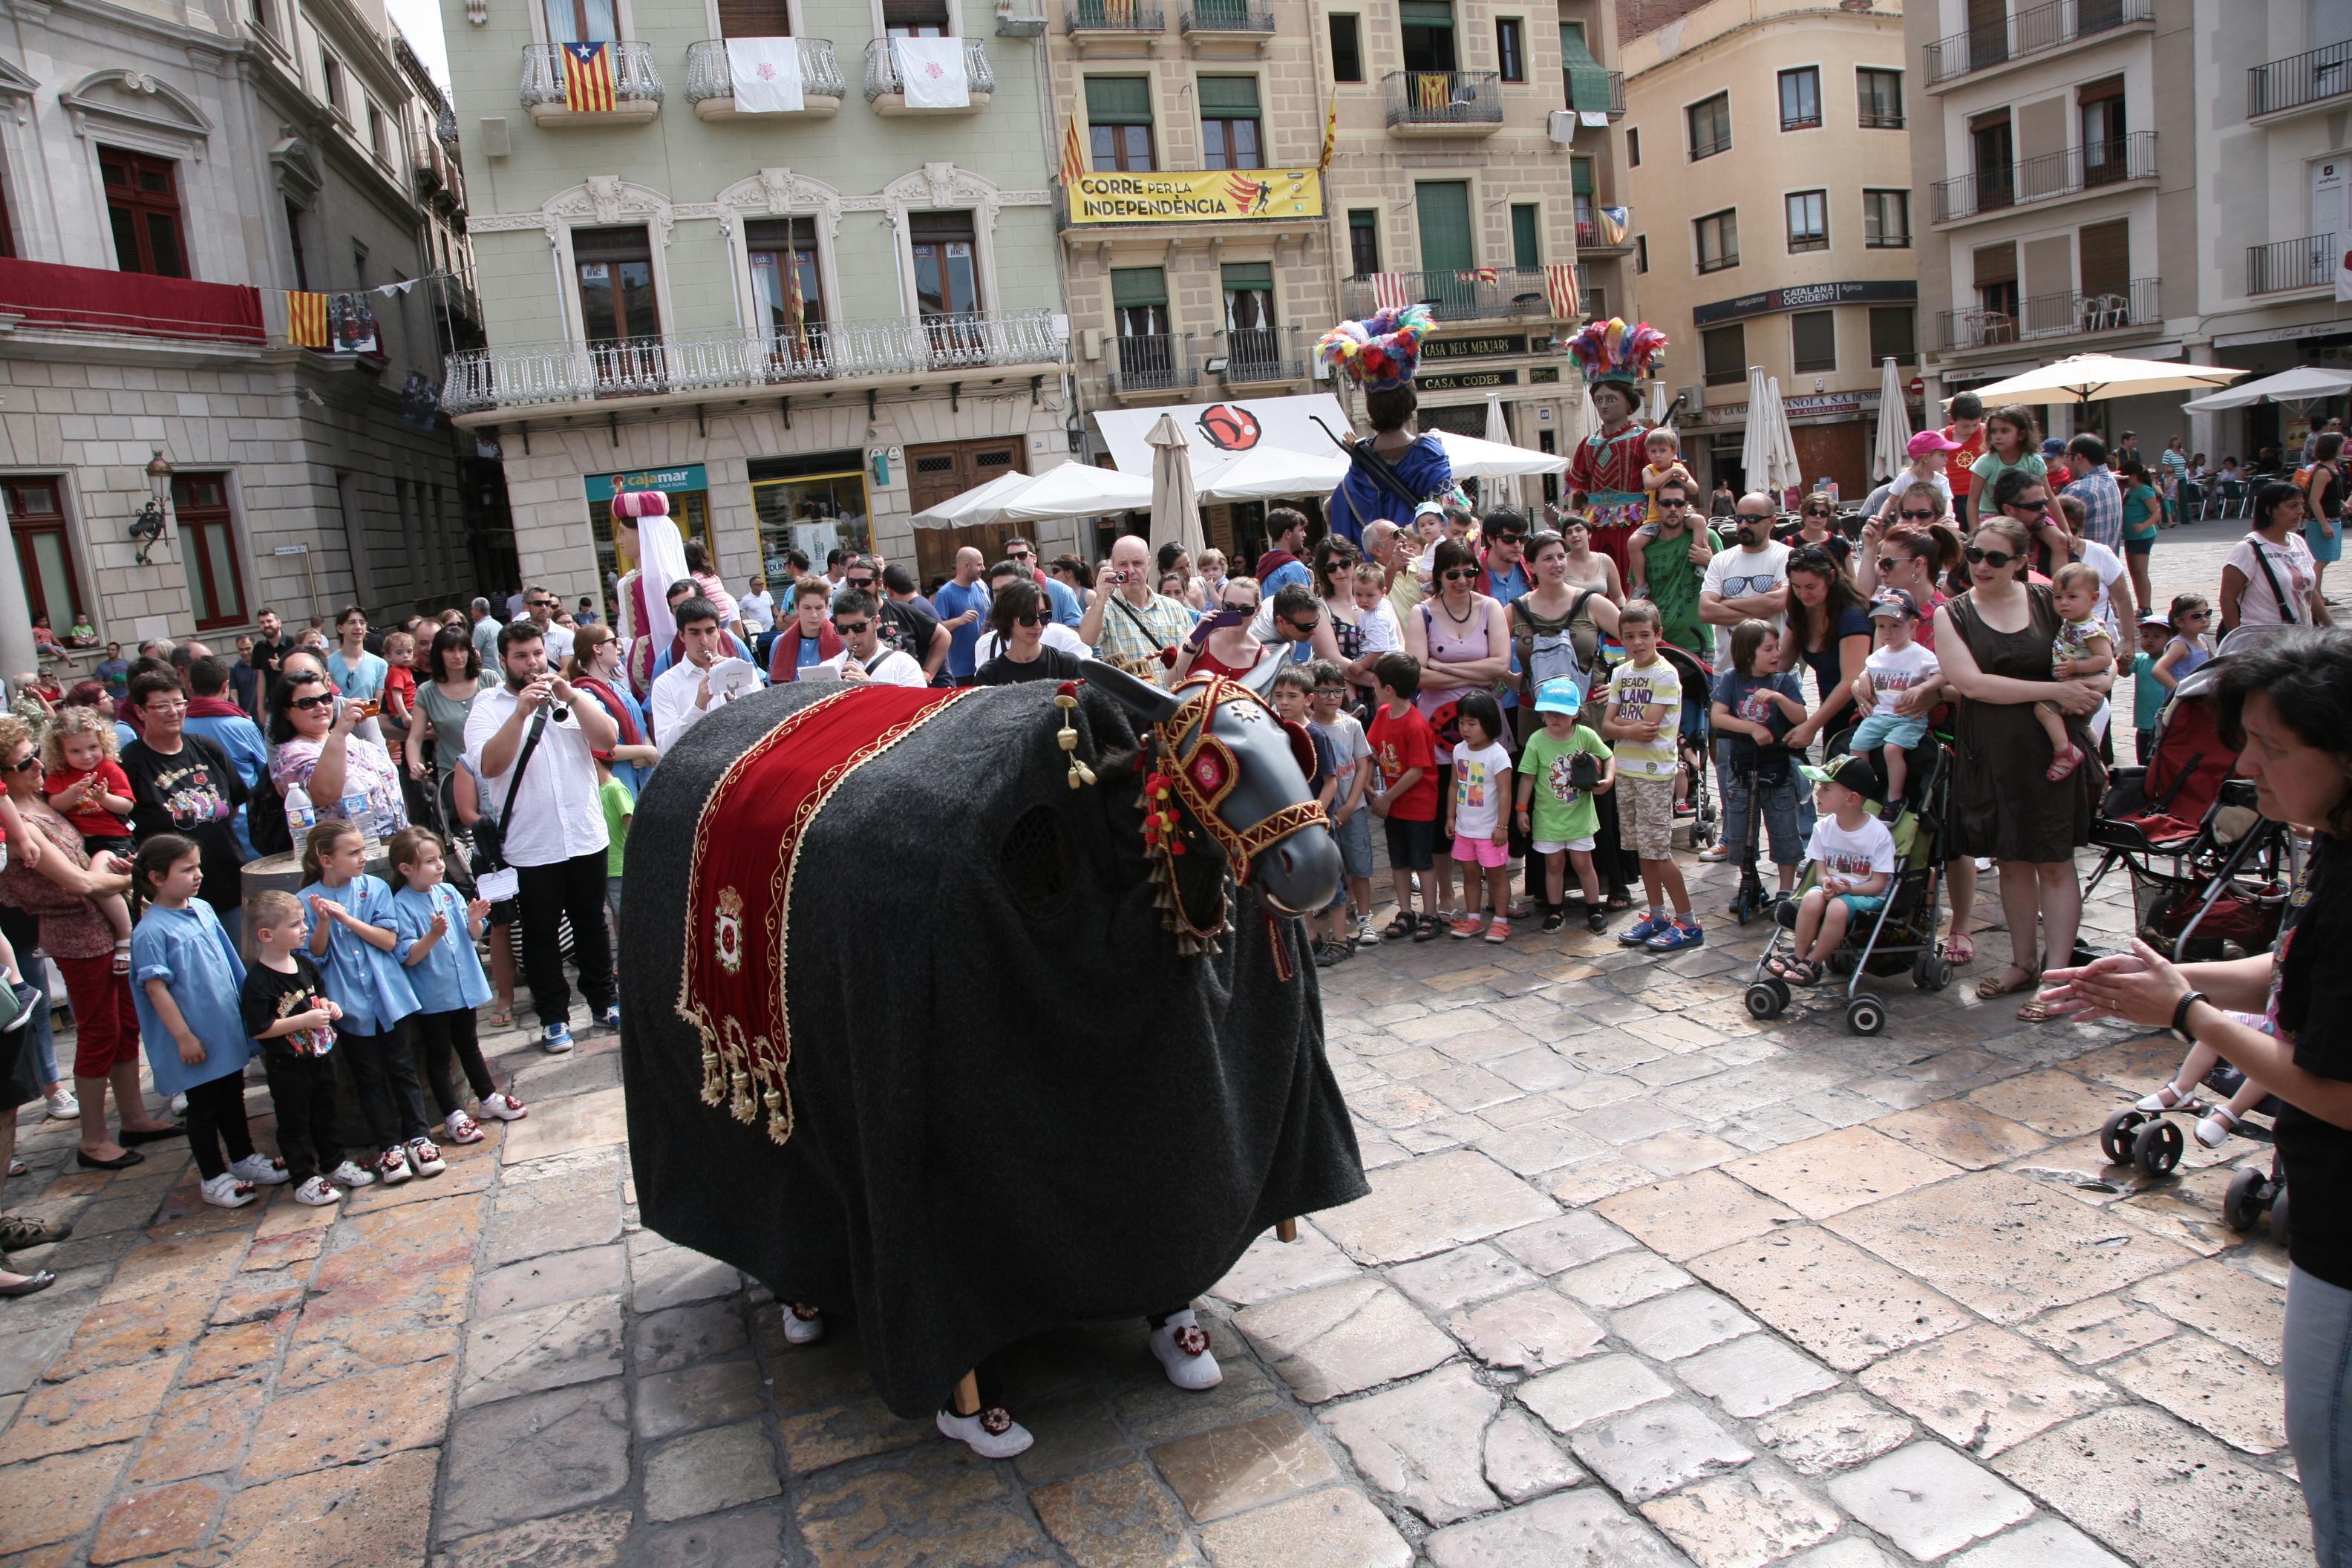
column 1074, row 153
column 588, row 78
column 306, row 319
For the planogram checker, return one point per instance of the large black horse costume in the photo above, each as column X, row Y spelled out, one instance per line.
column 1033, row 1078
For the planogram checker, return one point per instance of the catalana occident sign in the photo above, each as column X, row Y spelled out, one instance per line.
column 1806, row 296
column 1206, row 195
column 684, row 477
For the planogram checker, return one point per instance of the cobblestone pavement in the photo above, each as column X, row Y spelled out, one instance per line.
column 1639, row 1282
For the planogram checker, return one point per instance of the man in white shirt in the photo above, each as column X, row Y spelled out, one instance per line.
column 863, row 660
column 710, row 676
column 1751, row 580
column 543, row 603
column 758, row 609
column 554, row 834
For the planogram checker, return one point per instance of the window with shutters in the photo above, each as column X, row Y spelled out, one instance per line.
column 1253, row 339
column 2104, row 252
column 1879, row 98
column 755, row 20
column 1526, row 231
column 1801, row 98
column 915, row 18
column 143, row 203
column 1586, row 85
column 947, row 264
column 1709, row 122
column 1995, row 277
column 1725, row 350
column 208, row 549
column 2099, row 113
column 1887, row 220
column 1444, row 208
column 1230, row 138
column 1511, row 48
column 1347, row 47
column 1715, row 240
column 1364, row 240
column 1809, row 220
column 1813, row 341
column 1139, row 297
column 1579, row 187
column 1427, row 34
column 45, row 552
column 1118, row 116
column 1894, row 334
column 787, row 285
column 1991, row 143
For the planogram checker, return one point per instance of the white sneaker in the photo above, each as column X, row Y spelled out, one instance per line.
column 226, row 1192
column 1367, row 933
column 993, row 1434
column 62, row 1105
column 1182, row 1347
column 504, row 1107
column 319, row 1193
column 803, row 1331
column 392, row 1166
column 347, row 1174
column 426, row 1156
column 461, row 1128
column 260, row 1170
column 179, row 1105
column 1714, row 854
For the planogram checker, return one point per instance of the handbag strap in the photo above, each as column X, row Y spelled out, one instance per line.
column 2262, row 559
column 514, row 779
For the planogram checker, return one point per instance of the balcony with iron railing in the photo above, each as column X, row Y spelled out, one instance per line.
column 1589, row 88
column 438, row 176
column 1471, row 294
column 710, row 80
column 2044, row 317
column 637, row 85
column 2071, row 172
column 542, row 375
column 2305, row 263
column 1264, row 356
column 1112, row 19
column 2033, row 31
column 2314, row 77
column 1592, row 238
column 1443, row 103
column 887, row 90
column 1227, row 19
column 1144, row 365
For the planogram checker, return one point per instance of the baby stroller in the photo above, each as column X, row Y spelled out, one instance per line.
column 1902, row 931
column 2209, row 872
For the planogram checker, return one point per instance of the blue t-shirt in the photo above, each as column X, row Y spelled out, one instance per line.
column 2148, row 695
column 240, row 740
column 1507, row 587
column 189, row 951
column 360, row 680
column 1066, row 603
column 448, row 978
column 952, row 600
column 1741, row 696
column 366, row 982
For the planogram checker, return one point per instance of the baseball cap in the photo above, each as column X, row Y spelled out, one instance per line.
column 1928, row 441
column 1559, row 695
column 1852, row 772
column 1429, row 508
column 2153, row 619
column 2051, row 446
column 1893, row 604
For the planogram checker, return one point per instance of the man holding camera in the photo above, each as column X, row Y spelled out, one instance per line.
column 1126, row 621
column 550, row 823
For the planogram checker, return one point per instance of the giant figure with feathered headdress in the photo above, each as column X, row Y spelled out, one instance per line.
column 1393, row 470
column 1604, row 472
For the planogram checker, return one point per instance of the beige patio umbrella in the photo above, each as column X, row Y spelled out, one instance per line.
column 2093, row 378
column 1892, row 448
column 1175, row 508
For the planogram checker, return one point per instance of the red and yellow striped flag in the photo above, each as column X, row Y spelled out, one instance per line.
column 1074, row 153
column 1331, row 133
column 306, row 319
column 588, row 78
column 1560, row 287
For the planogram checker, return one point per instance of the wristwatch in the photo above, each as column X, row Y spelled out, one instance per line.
column 2180, row 1029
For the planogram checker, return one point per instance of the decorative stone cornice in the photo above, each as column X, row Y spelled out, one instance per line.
column 772, row 193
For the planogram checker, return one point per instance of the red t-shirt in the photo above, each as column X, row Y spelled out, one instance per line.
column 93, row 821
column 1399, row 745
column 1963, row 460
column 403, row 681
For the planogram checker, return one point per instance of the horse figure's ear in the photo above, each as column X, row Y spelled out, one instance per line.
column 1151, row 704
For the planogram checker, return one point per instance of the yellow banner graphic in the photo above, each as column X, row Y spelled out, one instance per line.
column 1207, row 195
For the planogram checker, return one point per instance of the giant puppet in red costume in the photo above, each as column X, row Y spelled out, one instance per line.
column 1604, row 472
column 647, row 543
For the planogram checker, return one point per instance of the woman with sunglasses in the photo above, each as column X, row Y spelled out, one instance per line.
column 1464, row 642
column 311, row 730
column 1019, row 614
column 1224, row 643
column 1335, row 560
column 1817, row 527
column 1829, row 626
column 1993, row 642
column 1928, row 559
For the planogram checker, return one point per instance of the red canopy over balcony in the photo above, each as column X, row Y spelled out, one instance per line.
column 134, row 304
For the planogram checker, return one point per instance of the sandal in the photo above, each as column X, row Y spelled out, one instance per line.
column 2213, row 1128
column 2037, row 1011
column 122, row 956
column 1429, row 928
column 2166, row 1097
column 2065, row 764
column 502, row 1017
column 1959, row 949
column 1993, row 987
column 1802, row 971
column 1397, row 929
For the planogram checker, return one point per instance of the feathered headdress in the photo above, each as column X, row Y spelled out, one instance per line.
column 1380, row 353
column 1611, row 351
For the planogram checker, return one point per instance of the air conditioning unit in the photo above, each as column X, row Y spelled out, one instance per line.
column 1561, row 123
column 1693, row 403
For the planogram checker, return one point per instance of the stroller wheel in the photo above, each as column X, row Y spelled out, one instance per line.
column 1764, row 1001
column 2156, row 1147
column 2242, row 1204
column 2116, row 1136
column 1930, row 971
column 1866, row 1015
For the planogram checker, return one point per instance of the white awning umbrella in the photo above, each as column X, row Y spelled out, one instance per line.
column 1768, row 453
column 1475, row 459
column 956, row 512
column 1498, row 431
column 1175, row 510
column 2093, row 378
column 1787, row 471
column 2303, row 384
column 1274, row 473
column 1893, row 449
column 1073, row 490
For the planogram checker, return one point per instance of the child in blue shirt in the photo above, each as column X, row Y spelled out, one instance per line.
column 351, row 941
column 437, row 931
column 187, row 978
column 1754, row 705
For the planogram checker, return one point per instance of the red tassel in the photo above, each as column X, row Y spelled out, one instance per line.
column 1283, row 971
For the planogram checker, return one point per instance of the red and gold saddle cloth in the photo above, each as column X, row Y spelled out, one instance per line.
column 739, row 885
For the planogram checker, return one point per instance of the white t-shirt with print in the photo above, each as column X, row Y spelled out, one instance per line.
column 1868, row 849
column 1745, row 569
column 1481, row 779
column 1893, row 671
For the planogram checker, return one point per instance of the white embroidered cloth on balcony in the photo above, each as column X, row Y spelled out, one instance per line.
column 767, row 74
column 931, row 73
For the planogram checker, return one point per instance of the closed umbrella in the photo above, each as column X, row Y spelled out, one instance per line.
column 1893, row 449
column 1786, row 474
column 1175, row 509
column 1498, row 431
column 1768, row 453
column 2092, row 378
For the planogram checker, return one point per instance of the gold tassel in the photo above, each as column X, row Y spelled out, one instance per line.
column 779, row 1129
column 714, row 1082
column 740, row 1108
column 1079, row 773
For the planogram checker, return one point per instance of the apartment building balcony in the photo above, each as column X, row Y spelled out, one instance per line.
column 2049, row 176
column 1263, row 357
column 2288, row 264
column 46, row 297
column 1113, row 21
column 1227, row 21
column 710, row 81
column 636, row 86
column 439, row 177
column 1443, row 103
column 1473, row 294
column 2315, row 77
column 886, row 91
column 1147, row 364
column 832, row 353
column 2044, row 318
column 1596, row 238
column 2023, row 34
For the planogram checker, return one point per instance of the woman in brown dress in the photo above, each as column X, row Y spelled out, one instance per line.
column 1993, row 642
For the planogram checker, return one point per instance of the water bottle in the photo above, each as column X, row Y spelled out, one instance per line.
column 300, row 814
column 356, row 813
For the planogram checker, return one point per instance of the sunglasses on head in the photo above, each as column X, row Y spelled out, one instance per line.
column 1996, row 559
column 1916, row 516
column 851, row 628
column 1463, row 574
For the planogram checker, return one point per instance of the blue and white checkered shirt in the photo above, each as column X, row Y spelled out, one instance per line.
column 2102, row 508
